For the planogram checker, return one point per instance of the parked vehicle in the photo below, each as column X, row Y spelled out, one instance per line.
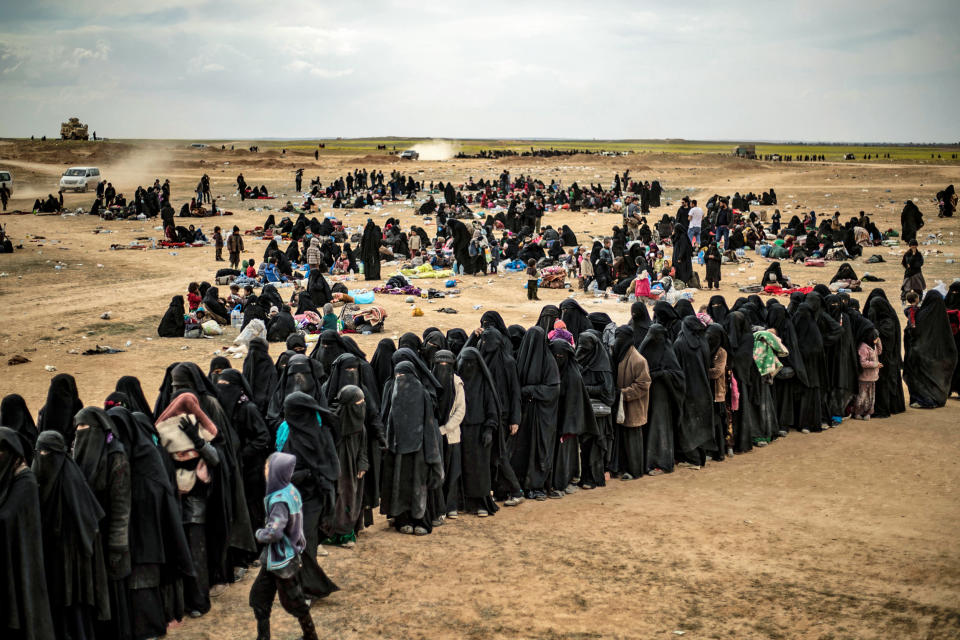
column 6, row 179
column 72, row 129
column 80, row 178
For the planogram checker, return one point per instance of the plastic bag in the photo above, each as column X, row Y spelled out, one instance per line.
column 212, row 328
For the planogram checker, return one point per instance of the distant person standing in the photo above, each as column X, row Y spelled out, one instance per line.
column 912, row 272
column 696, row 222
column 241, row 186
column 299, row 178
column 4, row 195
column 235, row 247
column 218, row 243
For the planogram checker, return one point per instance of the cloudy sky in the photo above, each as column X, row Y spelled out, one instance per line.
column 869, row 70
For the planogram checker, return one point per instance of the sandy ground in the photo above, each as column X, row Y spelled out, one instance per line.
column 847, row 534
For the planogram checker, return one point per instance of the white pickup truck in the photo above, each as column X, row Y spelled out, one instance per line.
column 6, row 179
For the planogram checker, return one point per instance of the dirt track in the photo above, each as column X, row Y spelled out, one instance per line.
column 847, row 534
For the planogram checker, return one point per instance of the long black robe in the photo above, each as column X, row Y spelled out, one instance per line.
column 695, row 428
column 682, row 254
column 461, row 246
column 280, row 327
column 747, row 424
column 211, row 302
column 597, row 374
column 260, row 373
column 449, row 497
column 72, row 554
column 808, row 399
column 930, row 354
column 911, row 220
column 311, row 435
column 639, row 322
column 25, row 614
column 479, row 428
column 831, row 333
column 549, row 314
column 531, row 448
column 574, row 416
column 63, row 403
column 668, row 317
column 131, row 387
column 172, row 323
column 952, row 303
column 888, row 398
column 666, row 400
column 412, row 463
column 785, row 390
column 159, row 553
column 340, row 525
column 842, row 365
column 370, row 251
column 497, row 352
column 347, row 370
column 382, row 363
column 104, row 464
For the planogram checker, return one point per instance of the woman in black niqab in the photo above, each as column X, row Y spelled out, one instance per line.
column 130, row 386
column 410, row 340
column 493, row 319
column 531, row 449
column 667, row 389
column 104, row 464
column 478, row 430
column 159, row 553
column 310, row 435
column 639, row 322
column 448, row 499
column 212, row 305
column 575, row 419
column 382, row 363
column 370, row 250
column 889, row 397
column 339, row 528
column 574, row 316
column 412, row 464
column 597, row 374
column 23, row 589
column 15, row 415
column 433, row 341
column 717, row 309
column 930, row 354
column 516, row 333
column 63, row 402
column 457, row 340
column 746, row 420
column 331, row 346
column 668, row 317
column 787, row 387
column 260, row 373
column 682, row 254
column 73, row 556
column 548, row 315
column 172, row 323
column 695, row 429
column 843, row 363
column 305, row 303
column 952, row 303
column 774, row 276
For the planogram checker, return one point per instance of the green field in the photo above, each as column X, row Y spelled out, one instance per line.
column 689, row 147
column 364, row 146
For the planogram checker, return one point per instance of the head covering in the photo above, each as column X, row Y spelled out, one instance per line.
column 457, row 338
column 575, row 317
column 548, row 315
column 668, row 317
column 433, row 341
column 351, row 410
column 493, row 319
column 130, row 386
column 382, row 362
column 68, row 508
column 535, row 363
column 63, row 403
column 444, row 364
column 15, row 415
column 260, row 372
column 94, row 445
column 217, row 364
column 410, row 410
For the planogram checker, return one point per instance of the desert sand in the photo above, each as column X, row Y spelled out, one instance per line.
column 847, row 534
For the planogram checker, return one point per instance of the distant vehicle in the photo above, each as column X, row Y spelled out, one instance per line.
column 849, row 156
column 775, row 157
column 746, row 151
column 6, row 179
column 73, row 130
column 198, row 145
column 80, row 178
column 409, row 154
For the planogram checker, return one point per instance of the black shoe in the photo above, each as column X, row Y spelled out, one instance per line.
column 263, row 629
column 306, row 625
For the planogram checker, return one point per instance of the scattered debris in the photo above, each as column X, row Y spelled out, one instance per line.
column 18, row 359
column 50, row 368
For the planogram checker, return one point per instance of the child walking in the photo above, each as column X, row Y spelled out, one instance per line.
column 283, row 540
column 532, row 279
column 869, row 353
column 218, row 243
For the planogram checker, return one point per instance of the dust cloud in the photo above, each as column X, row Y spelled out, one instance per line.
column 436, row 150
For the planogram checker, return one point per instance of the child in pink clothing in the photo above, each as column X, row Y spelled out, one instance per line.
column 560, row 332
column 869, row 354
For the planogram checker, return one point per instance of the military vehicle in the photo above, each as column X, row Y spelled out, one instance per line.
column 73, row 130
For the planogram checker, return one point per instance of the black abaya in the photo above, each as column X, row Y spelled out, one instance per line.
column 888, row 398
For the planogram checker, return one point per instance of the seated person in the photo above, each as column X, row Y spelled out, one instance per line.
column 251, row 271
column 329, row 318
column 234, row 298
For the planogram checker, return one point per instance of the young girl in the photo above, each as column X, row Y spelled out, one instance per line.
column 283, row 540
column 869, row 353
column 532, row 279
column 193, row 296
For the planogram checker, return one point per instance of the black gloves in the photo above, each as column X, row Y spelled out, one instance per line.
column 192, row 431
column 487, row 437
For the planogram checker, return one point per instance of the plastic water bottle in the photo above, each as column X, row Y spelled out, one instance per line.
column 236, row 317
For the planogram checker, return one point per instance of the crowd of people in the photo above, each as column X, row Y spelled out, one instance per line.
column 123, row 516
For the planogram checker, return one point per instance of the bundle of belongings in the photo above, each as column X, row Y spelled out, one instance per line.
column 368, row 319
column 553, row 277
column 178, row 444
